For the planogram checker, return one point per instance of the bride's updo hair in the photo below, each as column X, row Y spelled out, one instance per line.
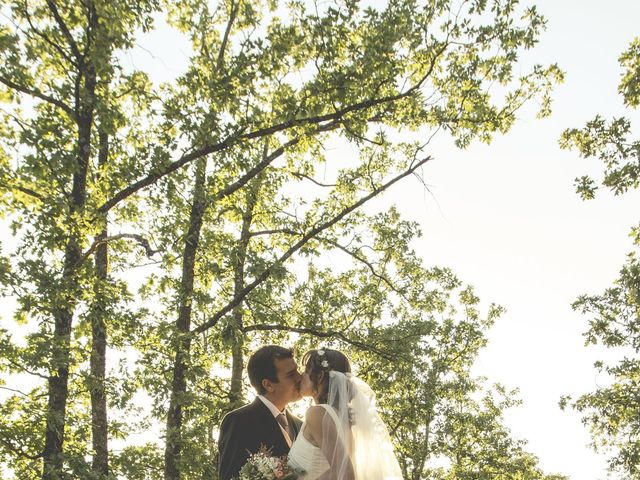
column 318, row 363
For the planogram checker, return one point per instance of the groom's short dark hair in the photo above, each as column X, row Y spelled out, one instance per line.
column 262, row 366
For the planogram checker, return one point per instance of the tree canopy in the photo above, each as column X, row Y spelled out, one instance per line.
column 162, row 231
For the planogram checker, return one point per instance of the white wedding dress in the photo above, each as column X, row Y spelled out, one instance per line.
column 306, row 456
column 351, row 407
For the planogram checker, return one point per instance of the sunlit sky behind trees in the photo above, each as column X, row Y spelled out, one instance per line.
column 506, row 219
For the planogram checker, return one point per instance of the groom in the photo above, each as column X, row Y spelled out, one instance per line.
column 274, row 374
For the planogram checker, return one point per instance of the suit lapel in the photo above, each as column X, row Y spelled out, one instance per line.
column 272, row 433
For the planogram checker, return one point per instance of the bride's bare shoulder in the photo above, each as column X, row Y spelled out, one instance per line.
column 315, row 413
column 314, row 416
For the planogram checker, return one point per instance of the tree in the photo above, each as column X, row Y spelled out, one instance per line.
column 481, row 447
column 611, row 412
column 421, row 330
column 267, row 86
column 63, row 59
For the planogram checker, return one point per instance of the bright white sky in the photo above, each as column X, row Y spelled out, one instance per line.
column 505, row 218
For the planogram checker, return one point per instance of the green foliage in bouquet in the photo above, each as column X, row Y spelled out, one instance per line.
column 262, row 466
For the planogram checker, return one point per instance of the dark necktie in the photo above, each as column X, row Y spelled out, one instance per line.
column 282, row 420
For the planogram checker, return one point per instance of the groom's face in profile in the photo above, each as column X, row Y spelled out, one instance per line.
column 287, row 389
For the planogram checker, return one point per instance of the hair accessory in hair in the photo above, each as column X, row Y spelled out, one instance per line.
column 323, row 360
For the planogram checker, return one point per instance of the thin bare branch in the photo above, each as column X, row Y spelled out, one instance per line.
column 320, row 334
column 288, row 231
column 38, row 94
column 19, row 451
column 65, row 31
column 307, row 177
column 249, row 175
column 143, row 242
column 364, row 261
column 21, row 368
column 223, row 46
column 46, row 38
column 25, row 190
column 14, row 391
column 361, row 137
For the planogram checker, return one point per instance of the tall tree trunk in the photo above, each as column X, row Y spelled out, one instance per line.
column 98, row 360
column 237, row 347
column 58, row 388
column 63, row 318
column 173, row 444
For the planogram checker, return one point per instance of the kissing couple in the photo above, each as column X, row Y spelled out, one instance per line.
column 342, row 436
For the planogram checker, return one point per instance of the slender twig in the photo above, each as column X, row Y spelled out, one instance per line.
column 250, row 174
column 21, row 368
column 223, row 46
column 143, row 242
column 14, row 391
column 320, row 334
column 65, row 31
column 288, row 231
column 361, row 137
column 302, row 175
column 18, row 451
column 38, row 94
column 25, row 190
column 366, row 262
column 46, row 38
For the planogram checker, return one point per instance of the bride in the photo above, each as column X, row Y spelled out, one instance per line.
column 342, row 437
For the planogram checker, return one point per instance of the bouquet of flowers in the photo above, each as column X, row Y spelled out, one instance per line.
column 262, row 466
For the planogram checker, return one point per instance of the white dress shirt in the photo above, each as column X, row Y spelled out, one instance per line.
column 274, row 410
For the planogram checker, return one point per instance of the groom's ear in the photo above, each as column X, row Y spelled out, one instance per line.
column 267, row 385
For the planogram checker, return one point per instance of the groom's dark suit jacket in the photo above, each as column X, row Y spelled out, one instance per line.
column 244, row 430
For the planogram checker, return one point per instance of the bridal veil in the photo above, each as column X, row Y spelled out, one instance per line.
column 364, row 450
